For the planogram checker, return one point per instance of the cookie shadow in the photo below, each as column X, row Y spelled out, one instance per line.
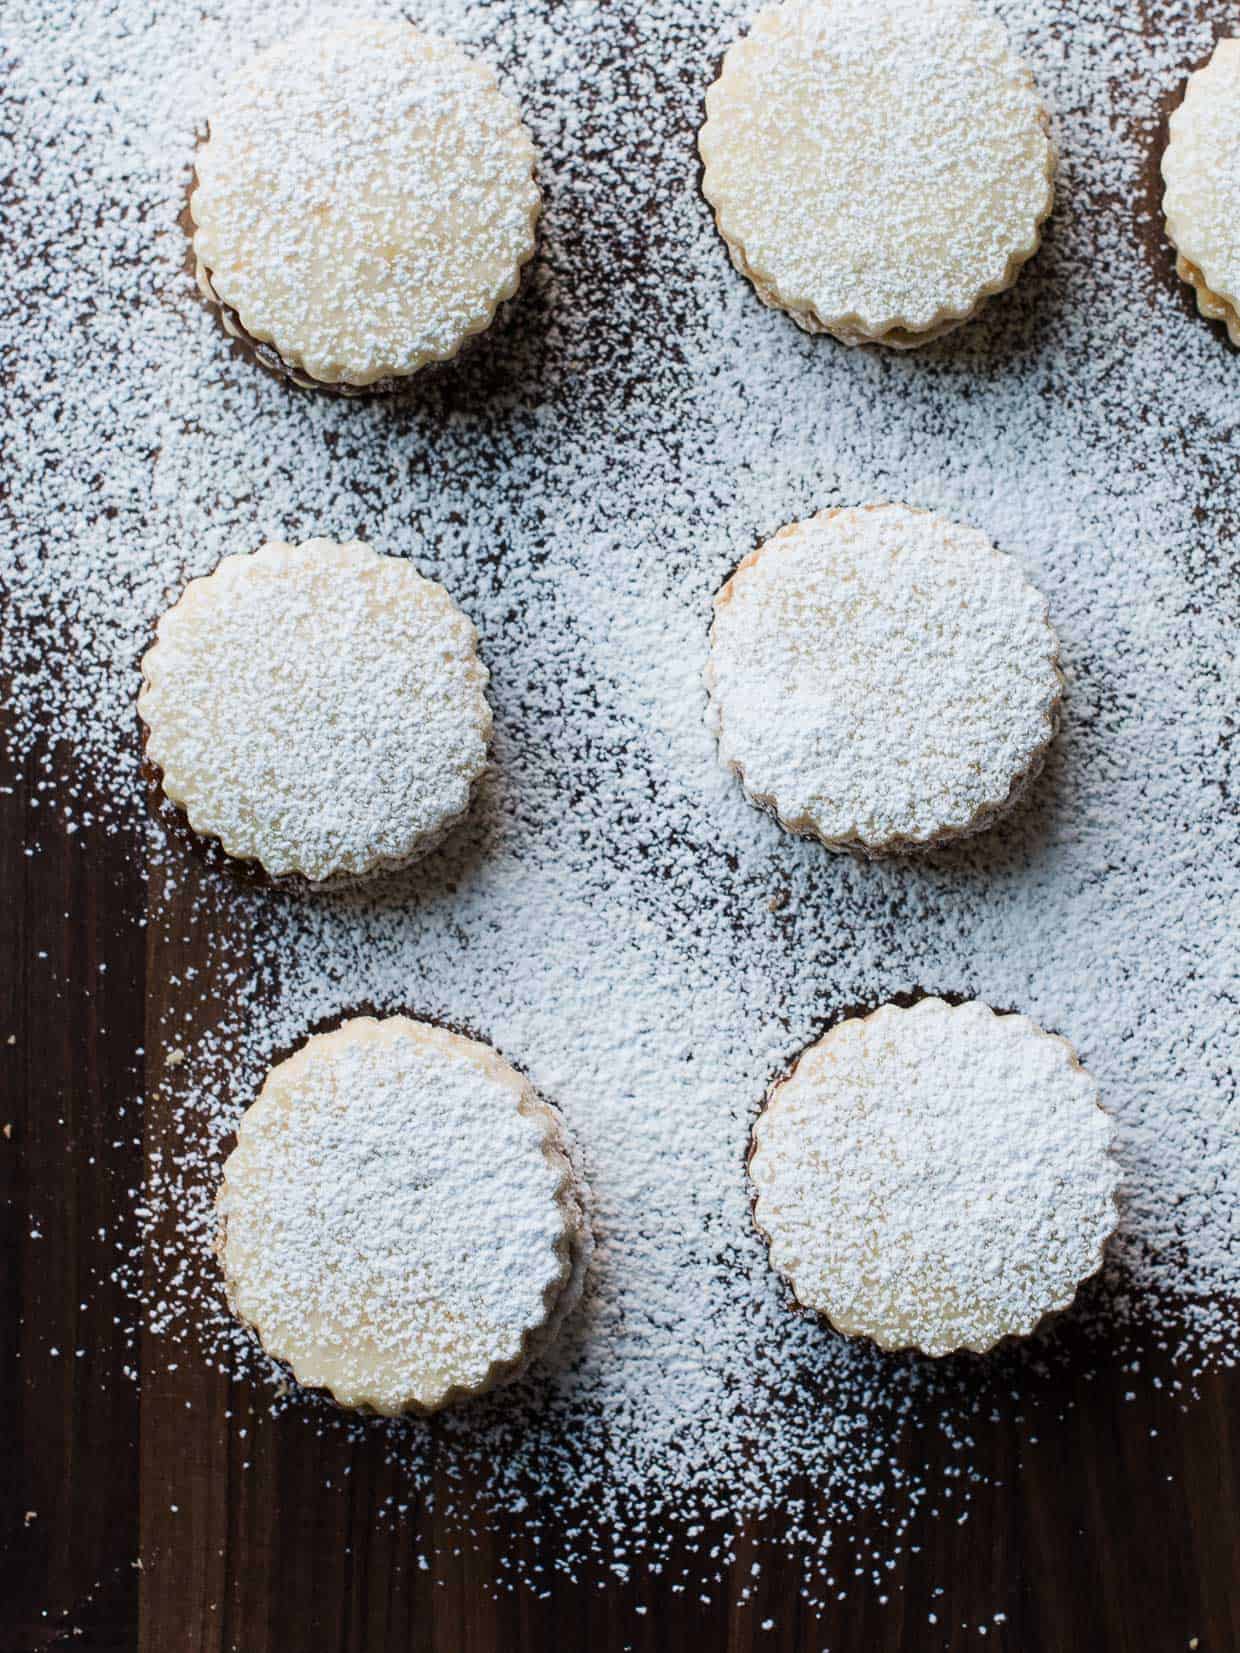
column 449, row 866
column 1018, row 837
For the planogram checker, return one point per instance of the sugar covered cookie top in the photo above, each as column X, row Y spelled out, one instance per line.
column 398, row 1216
column 365, row 200
column 319, row 709
column 877, row 166
column 936, row 1178
column 1201, row 168
column 882, row 678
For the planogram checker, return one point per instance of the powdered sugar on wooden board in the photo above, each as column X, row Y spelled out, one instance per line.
column 614, row 917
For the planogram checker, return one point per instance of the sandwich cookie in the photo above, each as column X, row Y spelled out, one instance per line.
column 365, row 203
column 1201, row 169
column 935, row 1178
column 318, row 709
column 400, row 1223
column 882, row 679
column 877, row 168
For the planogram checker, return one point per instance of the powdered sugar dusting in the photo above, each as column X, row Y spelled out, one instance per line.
column 614, row 917
column 936, row 1177
column 880, row 677
column 317, row 708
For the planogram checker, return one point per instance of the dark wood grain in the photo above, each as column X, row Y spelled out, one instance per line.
column 1100, row 1536
column 71, row 1003
column 177, row 1514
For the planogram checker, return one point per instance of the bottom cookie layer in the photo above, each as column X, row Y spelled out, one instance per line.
column 809, row 321
column 1212, row 307
column 269, row 357
column 266, row 354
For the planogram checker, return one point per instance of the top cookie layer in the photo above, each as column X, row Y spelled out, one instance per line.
column 878, row 167
column 318, row 708
column 937, row 1178
column 882, row 678
column 399, row 1215
column 1201, row 168
column 365, row 200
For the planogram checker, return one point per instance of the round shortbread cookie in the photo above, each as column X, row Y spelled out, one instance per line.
column 319, row 709
column 400, row 1222
column 878, row 168
column 1201, row 169
column 365, row 203
column 882, row 679
column 935, row 1178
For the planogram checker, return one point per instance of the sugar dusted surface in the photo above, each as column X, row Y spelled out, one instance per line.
column 365, row 201
column 877, row 166
column 393, row 1217
column 937, row 1178
column 320, row 709
column 614, row 914
column 881, row 677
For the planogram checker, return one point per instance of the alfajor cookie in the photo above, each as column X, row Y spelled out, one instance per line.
column 877, row 168
column 882, row 679
column 319, row 709
column 400, row 1222
column 935, row 1178
column 1201, row 169
column 365, row 203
